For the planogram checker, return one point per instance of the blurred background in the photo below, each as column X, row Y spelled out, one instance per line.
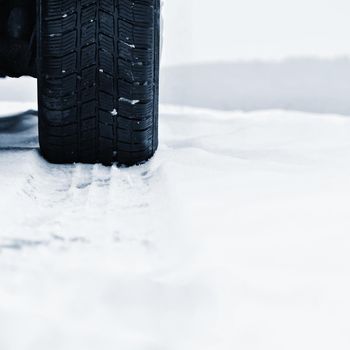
column 247, row 55
column 225, row 30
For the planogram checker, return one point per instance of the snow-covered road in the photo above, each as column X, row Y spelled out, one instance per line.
column 235, row 236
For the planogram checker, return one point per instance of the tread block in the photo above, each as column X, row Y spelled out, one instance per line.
column 57, row 8
column 61, row 25
column 88, row 56
column 135, row 71
column 106, row 23
column 88, row 14
column 60, row 44
column 56, row 67
column 88, row 33
column 136, row 36
column 137, row 12
column 135, row 91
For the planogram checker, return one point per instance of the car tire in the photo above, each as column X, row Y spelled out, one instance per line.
column 98, row 80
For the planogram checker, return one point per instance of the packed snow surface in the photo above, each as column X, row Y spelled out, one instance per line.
column 234, row 236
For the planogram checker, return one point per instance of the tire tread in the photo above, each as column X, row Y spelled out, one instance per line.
column 98, row 80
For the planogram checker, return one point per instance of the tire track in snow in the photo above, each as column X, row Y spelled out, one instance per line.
column 79, row 203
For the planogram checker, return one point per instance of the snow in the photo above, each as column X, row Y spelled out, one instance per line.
column 11, row 108
column 234, row 236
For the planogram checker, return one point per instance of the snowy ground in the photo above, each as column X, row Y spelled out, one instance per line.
column 235, row 236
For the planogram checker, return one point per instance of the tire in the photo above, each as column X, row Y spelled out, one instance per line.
column 98, row 80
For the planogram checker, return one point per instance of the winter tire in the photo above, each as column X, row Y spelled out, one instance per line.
column 98, row 78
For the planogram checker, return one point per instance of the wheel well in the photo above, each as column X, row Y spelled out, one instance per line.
column 17, row 37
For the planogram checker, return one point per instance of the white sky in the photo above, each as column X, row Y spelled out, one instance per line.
column 206, row 30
